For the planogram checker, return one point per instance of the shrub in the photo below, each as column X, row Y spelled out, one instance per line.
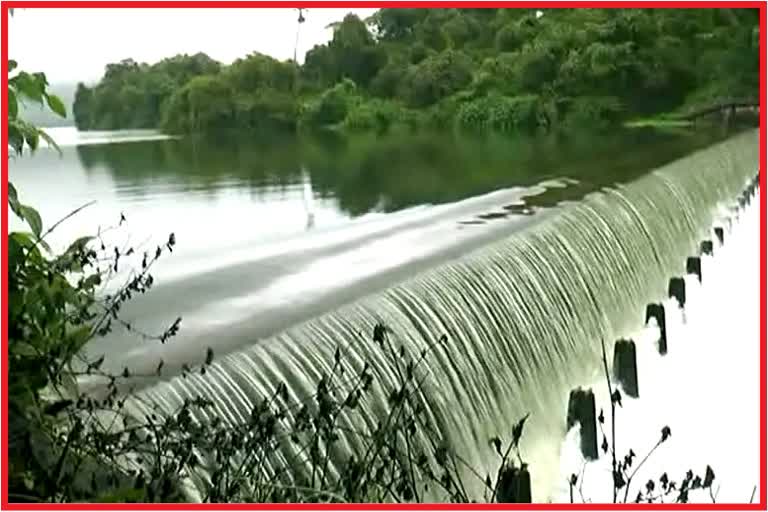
column 374, row 115
column 500, row 113
column 332, row 106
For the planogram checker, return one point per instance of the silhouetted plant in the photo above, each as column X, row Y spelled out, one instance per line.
column 624, row 470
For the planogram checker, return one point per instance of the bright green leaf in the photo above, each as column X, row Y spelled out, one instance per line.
column 23, row 239
column 33, row 219
column 55, row 104
column 41, row 80
column 13, row 200
column 29, row 86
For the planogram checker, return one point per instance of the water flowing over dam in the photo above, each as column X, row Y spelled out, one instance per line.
column 522, row 316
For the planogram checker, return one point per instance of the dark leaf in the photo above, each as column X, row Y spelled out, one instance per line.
column 616, row 397
column 15, row 139
column 496, row 442
column 78, row 245
column 665, row 433
column 92, row 281
column 209, row 356
column 32, row 138
column 601, row 417
column 378, row 334
column 709, row 477
column 97, row 364
column 604, row 446
column 12, row 194
column 618, row 480
column 33, row 219
column 696, row 482
column 56, row 407
column 517, row 430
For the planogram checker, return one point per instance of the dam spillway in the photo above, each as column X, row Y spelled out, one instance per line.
column 522, row 317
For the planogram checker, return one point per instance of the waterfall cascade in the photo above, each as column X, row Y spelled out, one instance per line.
column 523, row 316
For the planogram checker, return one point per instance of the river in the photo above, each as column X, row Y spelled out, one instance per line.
column 271, row 232
column 524, row 252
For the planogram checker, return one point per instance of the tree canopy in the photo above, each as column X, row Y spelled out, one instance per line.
column 477, row 68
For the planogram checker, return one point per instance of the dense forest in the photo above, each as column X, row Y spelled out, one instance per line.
column 471, row 68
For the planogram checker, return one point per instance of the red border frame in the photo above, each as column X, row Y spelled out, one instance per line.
column 11, row 4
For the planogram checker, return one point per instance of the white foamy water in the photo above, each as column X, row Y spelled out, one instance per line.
column 522, row 318
column 706, row 389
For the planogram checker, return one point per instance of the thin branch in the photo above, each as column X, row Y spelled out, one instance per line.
column 64, row 219
column 637, row 468
column 613, row 420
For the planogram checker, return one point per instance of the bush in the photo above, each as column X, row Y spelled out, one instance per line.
column 374, row 115
column 332, row 106
column 501, row 113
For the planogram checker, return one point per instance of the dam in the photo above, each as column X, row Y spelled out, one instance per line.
column 508, row 328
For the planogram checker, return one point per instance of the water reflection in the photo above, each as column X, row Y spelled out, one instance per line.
column 368, row 173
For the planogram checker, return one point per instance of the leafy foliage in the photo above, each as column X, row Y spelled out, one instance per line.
column 592, row 68
column 133, row 95
column 32, row 87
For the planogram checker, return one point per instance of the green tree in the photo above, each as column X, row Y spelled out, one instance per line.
column 609, row 63
column 437, row 77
